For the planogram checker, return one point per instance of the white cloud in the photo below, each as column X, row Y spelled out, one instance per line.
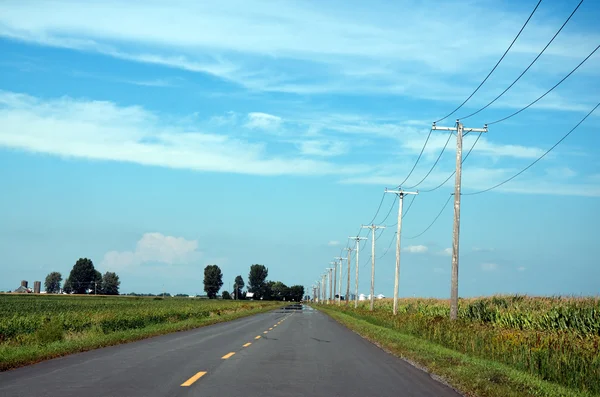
column 263, row 121
column 416, row 249
column 489, row 267
column 447, row 251
column 154, row 248
column 267, row 46
column 480, row 249
column 101, row 130
column 333, row 243
column 521, row 269
column 323, row 148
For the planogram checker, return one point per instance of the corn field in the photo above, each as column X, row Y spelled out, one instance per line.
column 21, row 316
column 557, row 339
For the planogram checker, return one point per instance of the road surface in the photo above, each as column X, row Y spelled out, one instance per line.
column 281, row 353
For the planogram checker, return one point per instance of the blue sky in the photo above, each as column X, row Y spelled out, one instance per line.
column 156, row 138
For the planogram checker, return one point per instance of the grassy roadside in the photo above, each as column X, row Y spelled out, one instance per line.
column 13, row 356
column 471, row 376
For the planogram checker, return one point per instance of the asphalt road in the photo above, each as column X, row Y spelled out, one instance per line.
column 293, row 353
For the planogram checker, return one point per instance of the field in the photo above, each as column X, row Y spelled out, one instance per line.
column 36, row 327
column 555, row 339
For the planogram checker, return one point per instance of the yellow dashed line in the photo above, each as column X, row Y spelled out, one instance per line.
column 271, row 329
column 225, row 357
column 194, row 378
column 247, row 344
column 275, row 325
column 257, row 337
column 265, row 332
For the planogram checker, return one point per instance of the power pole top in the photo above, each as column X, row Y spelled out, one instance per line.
column 400, row 192
column 357, row 238
column 372, row 227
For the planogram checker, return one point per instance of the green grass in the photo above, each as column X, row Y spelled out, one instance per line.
column 472, row 376
column 44, row 327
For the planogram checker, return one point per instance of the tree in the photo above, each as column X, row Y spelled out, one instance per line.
column 110, row 283
column 52, row 283
column 213, row 280
column 268, row 291
column 257, row 280
column 238, row 286
column 296, row 293
column 67, row 286
column 83, row 275
column 280, row 291
column 226, row 295
column 96, row 286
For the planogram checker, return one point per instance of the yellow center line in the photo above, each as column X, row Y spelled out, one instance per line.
column 225, row 357
column 275, row 325
column 265, row 332
column 258, row 337
column 247, row 344
column 271, row 329
column 194, row 378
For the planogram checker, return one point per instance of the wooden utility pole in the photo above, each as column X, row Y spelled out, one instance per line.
column 330, row 285
column 339, row 289
column 456, row 228
column 335, row 265
column 357, row 239
column 373, row 228
column 348, row 283
column 401, row 193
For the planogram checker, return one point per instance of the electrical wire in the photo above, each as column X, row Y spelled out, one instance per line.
column 547, row 92
column 436, row 218
column 538, row 159
column 378, row 209
column 390, row 246
column 530, row 65
column 418, row 158
column 454, row 172
column 405, row 212
column 494, row 68
column 391, row 208
column 436, row 161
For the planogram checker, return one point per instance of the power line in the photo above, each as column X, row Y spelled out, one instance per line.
column 436, row 218
column 547, row 92
column 494, row 68
column 390, row 211
column 418, row 158
column 390, row 246
column 538, row 159
column 530, row 65
column 434, row 164
column 454, row 172
column 405, row 212
column 376, row 213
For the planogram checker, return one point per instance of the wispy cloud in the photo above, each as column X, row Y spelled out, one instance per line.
column 102, row 130
column 263, row 121
column 359, row 50
column 489, row 267
column 333, row 243
column 521, row 268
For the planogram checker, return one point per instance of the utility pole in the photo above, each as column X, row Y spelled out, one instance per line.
column 357, row 239
column 324, row 288
column 340, row 281
column 373, row 227
column 348, row 283
column 335, row 265
column 330, row 285
column 401, row 193
column 459, row 128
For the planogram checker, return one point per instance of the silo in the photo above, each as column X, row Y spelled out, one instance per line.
column 37, row 286
column 24, row 283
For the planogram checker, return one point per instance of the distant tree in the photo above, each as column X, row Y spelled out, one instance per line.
column 83, row 275
column 96, row 286
column 257, row 281
column 226, row 295
column 68, row 286
column 181, row 296
column 279, row 291
column 296, row 293
column 213, row 280
column 110, row 283
column 238, row 286
column 52, row 283
column 268, row 291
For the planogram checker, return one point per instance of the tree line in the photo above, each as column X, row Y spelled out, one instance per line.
column 83, row 279
column 258, row 285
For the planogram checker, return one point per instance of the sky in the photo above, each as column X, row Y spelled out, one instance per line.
column 156, row 138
